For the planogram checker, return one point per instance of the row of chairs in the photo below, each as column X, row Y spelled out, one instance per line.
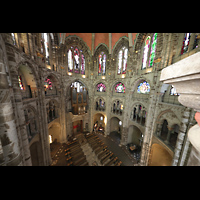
column 106, row 157
column 74, row 154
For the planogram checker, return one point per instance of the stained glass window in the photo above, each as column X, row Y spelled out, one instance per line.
column 46, row 45
column 82, row 64
column 119, row 62
column 143, row 88
column 70, row 61
column 101, row 87
column 13, row 38
column 122, row 61
column 146, row 50
column 186, row 42
column 119, row 88
column 102, row 64
column 196, row 41
column 48, row 84
column 153, row 50
column 20, row 83
column 76, row 60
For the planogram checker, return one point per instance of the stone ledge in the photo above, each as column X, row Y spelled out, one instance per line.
column 185, row 67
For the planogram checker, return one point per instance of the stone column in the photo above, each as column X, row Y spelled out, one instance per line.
column 168, row 134
column 148, row 129
column 62, row 116
column 10, row 154
column 181, row 136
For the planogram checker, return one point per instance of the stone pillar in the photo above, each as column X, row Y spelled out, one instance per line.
column 181, row 136
column 168, row 134
column 148, row 129
column 110, row 43
column 10, row 154
column 62, row 117
column 187, row 81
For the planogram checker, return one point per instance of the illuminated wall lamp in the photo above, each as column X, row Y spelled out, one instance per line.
column 69, row 73
column 83, row 76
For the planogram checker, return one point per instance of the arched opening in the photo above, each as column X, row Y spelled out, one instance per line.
column 164, row 130
column 52, row 110
column 77, row 127
column 134, row 141
column 51, row 86
column 27, row 82
column 36, row 154
column 79, row 98
column 100, row 104
column 99, row 123
column 31, row 122
column 174, row 135
column 55, row 132
column 54, row 138
column 134, row 135
column 116, row 129
column 159, row 156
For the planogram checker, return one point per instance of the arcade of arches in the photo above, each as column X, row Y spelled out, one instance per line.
column 70, row 98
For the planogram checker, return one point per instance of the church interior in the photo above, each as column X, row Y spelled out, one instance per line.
column 99, row 99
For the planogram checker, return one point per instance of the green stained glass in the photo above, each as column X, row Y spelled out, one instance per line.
column 153, row 50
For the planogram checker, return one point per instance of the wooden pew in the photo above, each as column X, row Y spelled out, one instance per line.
column 111, row 161
column 105, row 159
column 105, row 151
column 80, row 161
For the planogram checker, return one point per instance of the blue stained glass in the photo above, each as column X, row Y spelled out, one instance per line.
column 143, row 88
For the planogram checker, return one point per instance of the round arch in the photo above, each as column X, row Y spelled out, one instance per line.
column 99, row 122
column 134, row 135
column 116, row 129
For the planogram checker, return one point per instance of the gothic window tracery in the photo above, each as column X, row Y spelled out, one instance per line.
column 102, row 64
column 186, row 42
column 122, row 60
column 138, row 114
column 76, row 60
column 149, row 51
column 117, row 107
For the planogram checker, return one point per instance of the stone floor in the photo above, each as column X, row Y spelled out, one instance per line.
column 120, row 151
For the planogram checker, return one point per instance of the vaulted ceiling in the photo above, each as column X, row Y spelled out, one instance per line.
column 94, row 39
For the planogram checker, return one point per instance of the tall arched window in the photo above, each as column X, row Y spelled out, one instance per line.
column 102, row 64
column 146, row 50
column 148, row 57
column 186, row 42
column 122, row 61
column 46, row 45
column 153, row 50
column 76, row 60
